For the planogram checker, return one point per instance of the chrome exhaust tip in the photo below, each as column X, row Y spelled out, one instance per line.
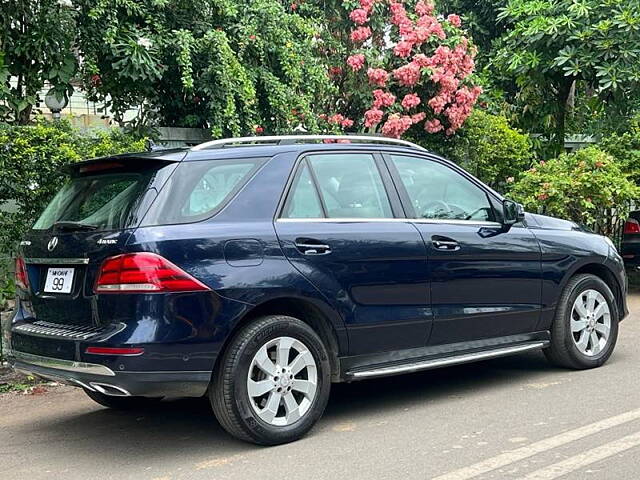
column 111, row 390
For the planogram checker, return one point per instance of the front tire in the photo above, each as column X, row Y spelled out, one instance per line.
column 272, row 384
column 585, row 328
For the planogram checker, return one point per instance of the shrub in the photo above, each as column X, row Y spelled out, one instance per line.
column 489, row 148
column 625, row 148
column 587, row 186
column 31, row 158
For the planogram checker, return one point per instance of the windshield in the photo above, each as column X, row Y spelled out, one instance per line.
column 102, row 202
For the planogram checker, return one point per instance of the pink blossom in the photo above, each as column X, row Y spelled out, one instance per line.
column 372, row 117
column 359, row 16
column 421, row 60
column 356, row 62
column 346, row 123
column 367, row 4
column 383, row 99
column 403, row 49
column 422, row 34
column 377, row 76
column 336, row 119
column 438, row 103
column 449, row 83
column 423, row 8
column 396, row 125
column 399, row 15
column 360, row 34
column 407, row 75
column 454, row 20
column 433, row 126
column 405, row 27
column 418, row 117
column 410, row 101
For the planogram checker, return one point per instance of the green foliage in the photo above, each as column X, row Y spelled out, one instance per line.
column 556, row 49
column 31, row 158
column 587, row 186
column 489, row 148
column 36, row 40
column 625, row 148
column 233, row 66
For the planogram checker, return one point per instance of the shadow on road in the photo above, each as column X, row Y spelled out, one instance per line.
column 188, row 425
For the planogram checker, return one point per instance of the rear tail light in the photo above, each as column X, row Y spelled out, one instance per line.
column 144, row 272
column 22, row 279
column 632, row 226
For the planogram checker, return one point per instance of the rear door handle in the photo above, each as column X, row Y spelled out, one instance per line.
column 445, row 243
column 309, row 246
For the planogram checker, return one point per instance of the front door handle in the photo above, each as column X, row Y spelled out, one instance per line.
column 310, row 246
column 445, row 243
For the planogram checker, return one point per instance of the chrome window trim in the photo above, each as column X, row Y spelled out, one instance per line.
column 442, row 221
column 57, row 261
column 59, row 364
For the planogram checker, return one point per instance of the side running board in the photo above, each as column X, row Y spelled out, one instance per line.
column 422, row 364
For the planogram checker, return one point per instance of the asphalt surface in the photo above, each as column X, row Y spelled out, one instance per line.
column 507, row 418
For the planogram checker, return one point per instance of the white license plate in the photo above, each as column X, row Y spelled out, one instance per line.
column 59, row 280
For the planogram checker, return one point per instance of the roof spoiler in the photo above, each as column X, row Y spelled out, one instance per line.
column 125, row 160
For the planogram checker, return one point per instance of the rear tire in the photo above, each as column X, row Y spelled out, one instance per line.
column 585, row 327
column 121, row 403
column 272, row 383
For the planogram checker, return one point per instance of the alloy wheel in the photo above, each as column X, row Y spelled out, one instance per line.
column 282, row 381
column 590, row 322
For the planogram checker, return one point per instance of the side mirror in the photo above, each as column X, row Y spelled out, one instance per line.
column 512, row 212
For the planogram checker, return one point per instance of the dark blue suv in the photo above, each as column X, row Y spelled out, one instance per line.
column 257, row 271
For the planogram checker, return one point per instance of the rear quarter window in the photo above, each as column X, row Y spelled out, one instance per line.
column 198, row 190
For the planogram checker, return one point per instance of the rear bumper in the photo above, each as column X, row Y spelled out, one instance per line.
column 101, row 378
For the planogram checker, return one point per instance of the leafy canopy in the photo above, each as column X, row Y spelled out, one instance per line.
column 233, row 66
column 552, row 44
column 36, row 39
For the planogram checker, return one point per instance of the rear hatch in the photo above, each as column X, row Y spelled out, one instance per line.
column 89, row 220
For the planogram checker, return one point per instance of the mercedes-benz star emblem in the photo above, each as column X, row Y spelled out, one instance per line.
column 52, row 243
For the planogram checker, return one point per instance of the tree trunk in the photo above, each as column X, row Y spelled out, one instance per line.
column 562, row 98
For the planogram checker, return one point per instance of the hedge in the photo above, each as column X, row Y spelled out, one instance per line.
column 31, row 159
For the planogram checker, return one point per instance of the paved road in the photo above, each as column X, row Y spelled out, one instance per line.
column 502, row 419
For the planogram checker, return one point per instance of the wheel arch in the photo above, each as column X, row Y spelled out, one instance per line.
column 606, row 275
column 316, row 315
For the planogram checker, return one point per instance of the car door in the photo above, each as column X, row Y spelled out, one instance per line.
column 340, row 228
column 485, row 278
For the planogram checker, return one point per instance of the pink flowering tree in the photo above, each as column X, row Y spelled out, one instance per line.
column 406, row 68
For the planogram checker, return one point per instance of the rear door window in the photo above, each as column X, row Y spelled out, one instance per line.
column 349, row 184
column 197, row 190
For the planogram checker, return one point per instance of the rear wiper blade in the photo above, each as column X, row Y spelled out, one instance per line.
column 69, row 226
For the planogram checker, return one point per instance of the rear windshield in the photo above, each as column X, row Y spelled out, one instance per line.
column 199, row 189
column 102, row 201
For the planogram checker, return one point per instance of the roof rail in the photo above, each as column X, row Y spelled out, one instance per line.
column 293, row 139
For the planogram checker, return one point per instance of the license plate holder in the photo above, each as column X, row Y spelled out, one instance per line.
column 59, row 280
